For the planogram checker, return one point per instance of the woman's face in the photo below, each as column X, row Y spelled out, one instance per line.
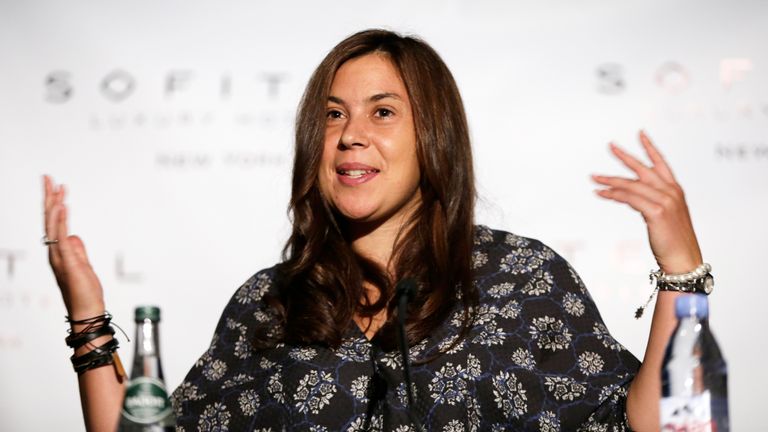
column 369, row 169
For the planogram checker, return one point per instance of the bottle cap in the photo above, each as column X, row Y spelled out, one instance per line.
column 692, row 305
column 151, row 313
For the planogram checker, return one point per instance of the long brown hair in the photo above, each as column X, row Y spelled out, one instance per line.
column 320, row 286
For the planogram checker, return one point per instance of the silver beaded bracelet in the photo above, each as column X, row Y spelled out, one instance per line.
column 698, row 281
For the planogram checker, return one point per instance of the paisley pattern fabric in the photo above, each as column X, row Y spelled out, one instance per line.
column 538, row 358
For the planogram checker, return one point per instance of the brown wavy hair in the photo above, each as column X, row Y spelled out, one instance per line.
column 320, row 282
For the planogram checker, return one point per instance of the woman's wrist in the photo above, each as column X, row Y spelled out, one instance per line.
column 92, row 338
column 693, row 280
column 681, row 265
column 81, row 314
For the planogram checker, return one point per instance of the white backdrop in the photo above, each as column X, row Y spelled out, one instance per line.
column 171, row 124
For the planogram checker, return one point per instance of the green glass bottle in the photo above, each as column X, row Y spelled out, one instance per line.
column 146, row 407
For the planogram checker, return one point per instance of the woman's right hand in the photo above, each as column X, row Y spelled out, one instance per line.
column 101, row 389
column 80, row 287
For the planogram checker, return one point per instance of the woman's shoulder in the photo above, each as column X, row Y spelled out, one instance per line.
column 257, row 286
column 488, row 240
column 501, row 255
column 505, row 263
column 249, row 302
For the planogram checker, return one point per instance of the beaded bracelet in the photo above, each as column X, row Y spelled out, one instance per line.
column 685, row 278
column 697, row 281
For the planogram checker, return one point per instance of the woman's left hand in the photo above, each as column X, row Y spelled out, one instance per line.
column 659, row 198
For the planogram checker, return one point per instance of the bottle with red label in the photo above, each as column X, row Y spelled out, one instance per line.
column 694, row 375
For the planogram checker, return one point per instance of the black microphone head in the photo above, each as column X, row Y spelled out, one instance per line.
column 406, row 288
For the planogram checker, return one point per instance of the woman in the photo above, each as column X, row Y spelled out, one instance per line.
column 502, row 333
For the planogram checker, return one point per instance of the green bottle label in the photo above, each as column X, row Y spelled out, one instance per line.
column 146, row 401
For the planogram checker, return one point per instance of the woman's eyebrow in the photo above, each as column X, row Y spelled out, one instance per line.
column 375, row 98
column 380, row 96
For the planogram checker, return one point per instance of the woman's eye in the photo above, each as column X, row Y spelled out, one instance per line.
column 383, row 112
column 334, row 114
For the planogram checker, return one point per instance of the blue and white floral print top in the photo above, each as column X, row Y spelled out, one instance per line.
column 538, row 358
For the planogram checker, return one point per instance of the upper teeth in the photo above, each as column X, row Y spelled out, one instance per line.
column 356, row 172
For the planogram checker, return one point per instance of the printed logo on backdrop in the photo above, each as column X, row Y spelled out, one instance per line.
column 15, row 268
column 13, row 263
column 729, row 98
column 255, row 105
column 610, row 78
column 741, row 151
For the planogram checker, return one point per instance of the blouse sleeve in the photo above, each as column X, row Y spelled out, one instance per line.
column 228, row 362
column 538, row 333
column 596, row 363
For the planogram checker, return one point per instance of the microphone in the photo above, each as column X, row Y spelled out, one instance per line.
column 405, row 291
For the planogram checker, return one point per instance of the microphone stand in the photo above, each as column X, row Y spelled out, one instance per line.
column 406, row 289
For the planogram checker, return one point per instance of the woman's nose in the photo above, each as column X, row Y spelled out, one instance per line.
column 355, row 133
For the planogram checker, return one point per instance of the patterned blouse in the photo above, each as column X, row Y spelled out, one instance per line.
column 538, row 358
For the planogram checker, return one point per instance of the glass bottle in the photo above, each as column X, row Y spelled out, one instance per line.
column 146, row 407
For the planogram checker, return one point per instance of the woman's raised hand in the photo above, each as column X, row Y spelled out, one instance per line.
column 659, row 198
column 80, row 287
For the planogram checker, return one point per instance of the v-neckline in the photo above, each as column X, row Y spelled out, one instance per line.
column 358, row 333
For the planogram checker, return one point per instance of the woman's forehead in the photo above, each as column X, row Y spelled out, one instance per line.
column 370, row 77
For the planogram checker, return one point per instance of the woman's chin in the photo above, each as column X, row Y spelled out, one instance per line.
column 372, row 214
column 358, row 215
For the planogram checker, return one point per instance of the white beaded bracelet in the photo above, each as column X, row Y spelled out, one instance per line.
column 699, row 273
column 699, row 280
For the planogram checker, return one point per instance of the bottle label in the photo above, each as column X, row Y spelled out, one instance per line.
column 146, row 401
column 687, row 414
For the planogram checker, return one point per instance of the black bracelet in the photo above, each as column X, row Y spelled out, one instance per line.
column 99, row 356
column 79, row 339
column 98, row 362
column 91, row 324
column 106, row 316
column 701, row 285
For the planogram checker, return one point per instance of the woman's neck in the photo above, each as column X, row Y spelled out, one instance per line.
column 377, row 242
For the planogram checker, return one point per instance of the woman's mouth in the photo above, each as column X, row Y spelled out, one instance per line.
column 356, row 173
column 353, row 174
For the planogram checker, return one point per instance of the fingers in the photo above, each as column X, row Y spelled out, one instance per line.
column 48, row 201
column 657, row 159
column 632, row 186
column 639, row 168
column 654, row 188
column 47, row 192
column 52, row 232
column 645, row 206
column 62, row 231
column 53, row 193
column 55, row 221
column 51, row 197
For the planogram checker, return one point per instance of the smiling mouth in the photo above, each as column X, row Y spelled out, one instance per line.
column 356, row 173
